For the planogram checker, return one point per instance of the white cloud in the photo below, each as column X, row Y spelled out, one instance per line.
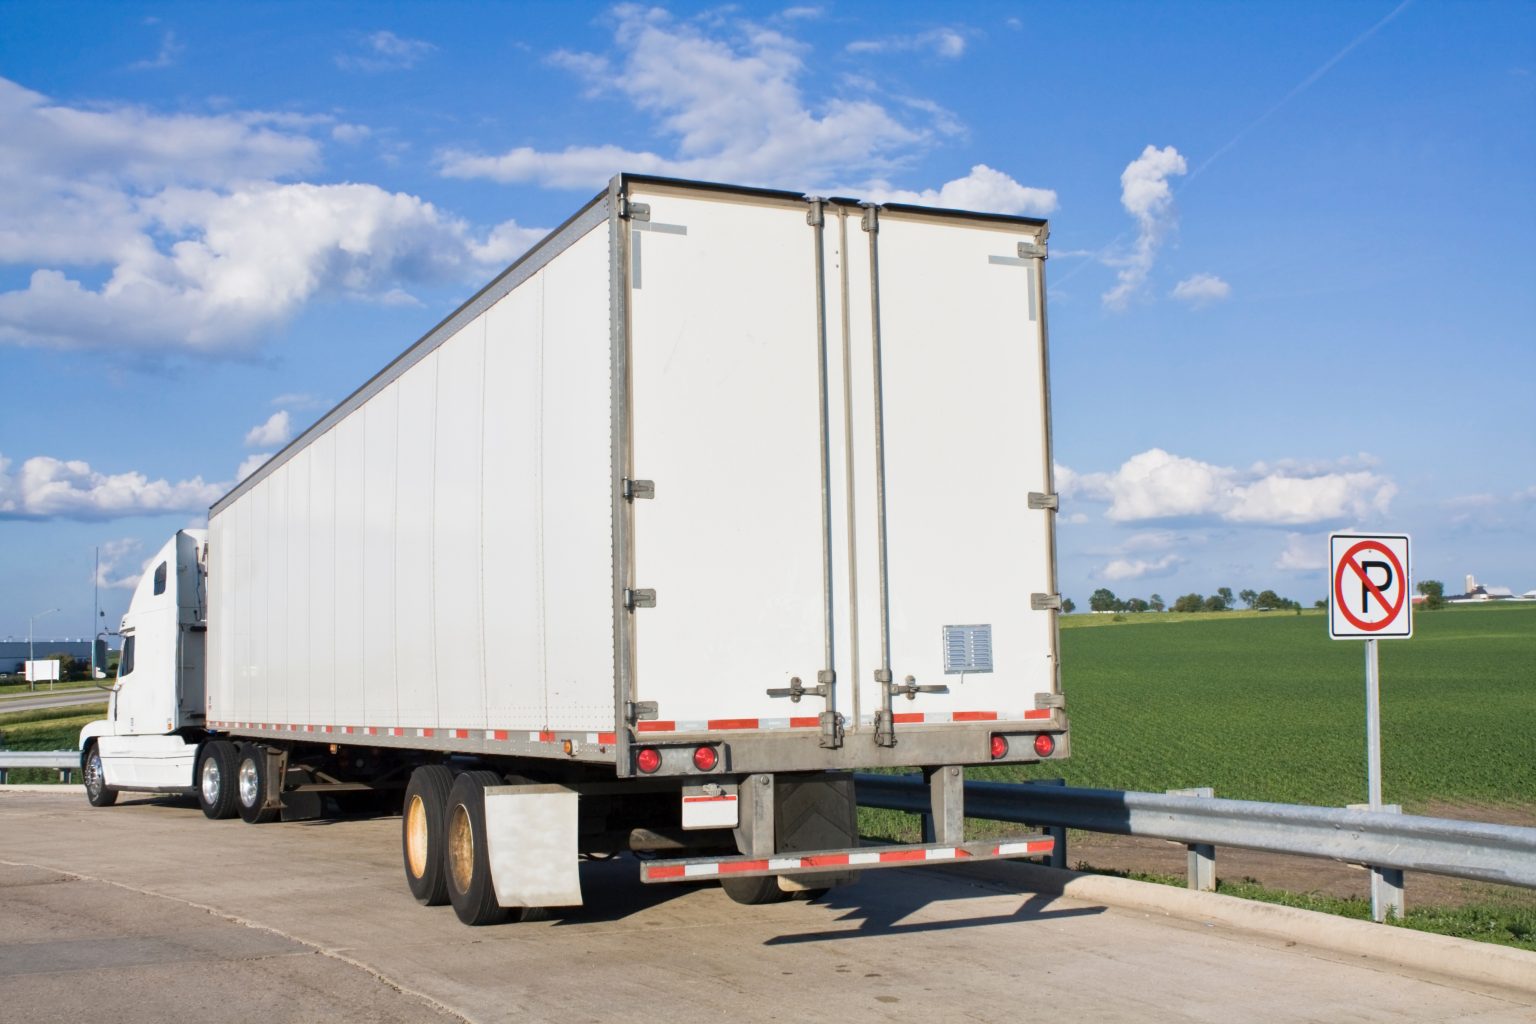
column 350, row 133
column 385, row 51
column 277, row 430
column 250, row 464
column 1304, row 552
column 802, row 13
column 1137, row 568
column 170, row 49
column 723, row 99
column 196, row 248
column 1072, row 519
column 112, row 554
column 983, row 189
column 49, row 488
column 1146, row 196
column 942, row 42
column 1156, row 485
column 300, row 400
column 1201, row 290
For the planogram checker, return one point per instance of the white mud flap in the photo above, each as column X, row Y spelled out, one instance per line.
column 531, row 841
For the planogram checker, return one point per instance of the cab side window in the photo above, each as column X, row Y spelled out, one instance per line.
column 125, row 660
column 160, row 578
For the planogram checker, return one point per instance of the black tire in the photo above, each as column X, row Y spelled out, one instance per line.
column 466, row 858
column 421, row 833
column 754, row 892
column 252, row 777
column 96, row 789
column 215, row 779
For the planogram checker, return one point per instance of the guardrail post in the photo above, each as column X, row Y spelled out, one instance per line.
column 66, row 774
column 3, row 776
column 1056, row 832
column 1386, row 883
column 1202, row 856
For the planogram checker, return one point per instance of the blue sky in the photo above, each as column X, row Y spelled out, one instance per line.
column 1292, row 283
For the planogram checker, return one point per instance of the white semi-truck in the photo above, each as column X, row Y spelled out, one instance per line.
column 715, row 496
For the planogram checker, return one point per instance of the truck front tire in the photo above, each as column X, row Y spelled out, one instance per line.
column 421, row 833
column 467, row 860
column 96, row 789
column 215, row 779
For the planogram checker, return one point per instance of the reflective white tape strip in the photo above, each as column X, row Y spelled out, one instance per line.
column 701, row 870
column 945, row 854
column 1004, row 849
column 863, row 858
column 775, row 863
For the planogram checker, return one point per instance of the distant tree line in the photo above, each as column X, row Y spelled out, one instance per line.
column 1104, row 600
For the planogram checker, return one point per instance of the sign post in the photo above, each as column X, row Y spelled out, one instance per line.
column 1368, row 599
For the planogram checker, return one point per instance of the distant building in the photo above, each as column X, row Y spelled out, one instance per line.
column 13, row 653
column 1483, row 592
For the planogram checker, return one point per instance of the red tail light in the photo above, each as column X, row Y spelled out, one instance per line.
column 705, row 759
column 999, row 746
column 1045, row 744
column 648, row 759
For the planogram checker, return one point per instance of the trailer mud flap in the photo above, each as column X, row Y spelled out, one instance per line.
column 861, row 859
column 531, row 841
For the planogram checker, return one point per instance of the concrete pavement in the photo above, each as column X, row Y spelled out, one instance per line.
column 920, row 945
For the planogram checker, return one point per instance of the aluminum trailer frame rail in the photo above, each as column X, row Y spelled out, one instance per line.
column 1505, row 854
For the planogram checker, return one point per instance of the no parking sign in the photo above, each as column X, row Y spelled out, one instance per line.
column 1368, row 598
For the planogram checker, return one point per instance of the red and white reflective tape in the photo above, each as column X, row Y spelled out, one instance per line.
column 851, row 859
column 494, row 735
column 900, row 718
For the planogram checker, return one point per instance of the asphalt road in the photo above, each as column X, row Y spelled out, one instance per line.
column 148, row 912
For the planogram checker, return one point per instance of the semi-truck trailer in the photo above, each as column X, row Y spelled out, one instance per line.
column 713, row 497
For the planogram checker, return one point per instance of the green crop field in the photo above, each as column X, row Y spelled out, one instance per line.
column 45, row 729
column 1267, row 707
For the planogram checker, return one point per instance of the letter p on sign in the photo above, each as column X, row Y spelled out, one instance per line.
column 1368, row 596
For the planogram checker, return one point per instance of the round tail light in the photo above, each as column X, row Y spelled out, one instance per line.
column 648, row 759
column 999, row 746
column 1045, row 744
column 705, row 758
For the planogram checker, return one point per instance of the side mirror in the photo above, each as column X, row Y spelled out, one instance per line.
column 99, row 655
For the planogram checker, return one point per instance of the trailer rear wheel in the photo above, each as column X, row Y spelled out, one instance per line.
column 466, row 856
column 216, row 779
column 754, row 892
column 252, row 778
column 421, row 833
column 96, row 789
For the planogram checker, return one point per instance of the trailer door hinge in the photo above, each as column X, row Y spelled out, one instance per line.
column 1042, row 502
column 639, row 599
column 634, row 211
column 1032, row 250
column 634, row 489
column 885, row 729
column 1045, row 602
column 1049, row 701
column 640, row 710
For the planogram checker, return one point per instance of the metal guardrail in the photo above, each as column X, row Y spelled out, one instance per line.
column 66, row 761
column 1462, row 849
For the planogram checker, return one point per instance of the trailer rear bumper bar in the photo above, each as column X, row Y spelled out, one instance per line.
column 857, row 859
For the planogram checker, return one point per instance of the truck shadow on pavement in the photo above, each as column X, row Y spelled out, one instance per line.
column 884, row 911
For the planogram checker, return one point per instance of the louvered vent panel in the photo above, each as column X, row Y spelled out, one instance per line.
column 967, row 649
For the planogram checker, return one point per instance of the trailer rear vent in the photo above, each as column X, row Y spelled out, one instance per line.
column 967, row 649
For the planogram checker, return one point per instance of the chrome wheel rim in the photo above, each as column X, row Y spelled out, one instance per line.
column 93, row 779
column 248, row 782
column 210, row 781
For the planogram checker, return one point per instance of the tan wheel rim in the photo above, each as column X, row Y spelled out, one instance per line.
column 416, row 836
column 461, row 848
